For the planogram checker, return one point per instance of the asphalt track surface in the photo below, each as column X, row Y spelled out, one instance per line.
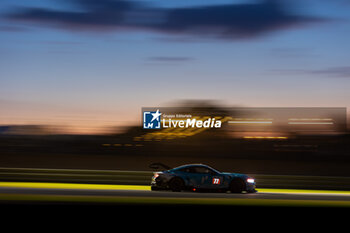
column 20, row 192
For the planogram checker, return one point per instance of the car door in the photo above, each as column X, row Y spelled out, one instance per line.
column 217, row 181
column 210, row 179
column 202, row 177
column 194, row 178
column 207, row 178
column 191, row 177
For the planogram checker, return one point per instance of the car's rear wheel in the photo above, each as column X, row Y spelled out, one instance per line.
column 237, row 186
column 176, row 184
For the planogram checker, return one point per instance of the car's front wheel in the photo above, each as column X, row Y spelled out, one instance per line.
column 176, row 184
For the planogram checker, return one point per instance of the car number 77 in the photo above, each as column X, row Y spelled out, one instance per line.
column 216, row 181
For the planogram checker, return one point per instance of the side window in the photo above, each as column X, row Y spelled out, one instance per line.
column 202, row 170
column 197, row 170
column 187, row 169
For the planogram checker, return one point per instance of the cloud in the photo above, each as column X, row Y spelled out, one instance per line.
column 233, row 20
column 170, row 59
column 332, row 72
column 90, row 15
column 338, row 72
column 225, row 21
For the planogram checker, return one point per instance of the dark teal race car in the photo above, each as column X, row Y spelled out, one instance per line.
column 199, row 177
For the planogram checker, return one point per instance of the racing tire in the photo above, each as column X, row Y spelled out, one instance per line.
column 237, row 186
column 176, row 184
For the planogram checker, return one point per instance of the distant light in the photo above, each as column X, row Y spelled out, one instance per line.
column 310, row 123
column 250, row 122
column 252, row 119
column 310, row 119
column 262, row 137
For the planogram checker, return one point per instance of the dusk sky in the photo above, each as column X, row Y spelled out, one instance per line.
column 87, row 64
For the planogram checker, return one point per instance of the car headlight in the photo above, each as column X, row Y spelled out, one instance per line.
column 250, row 180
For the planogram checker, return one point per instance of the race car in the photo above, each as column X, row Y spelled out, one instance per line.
column 200, row 177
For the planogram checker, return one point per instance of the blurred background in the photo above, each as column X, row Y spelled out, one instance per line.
column 75, row 74
column 284, row 141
